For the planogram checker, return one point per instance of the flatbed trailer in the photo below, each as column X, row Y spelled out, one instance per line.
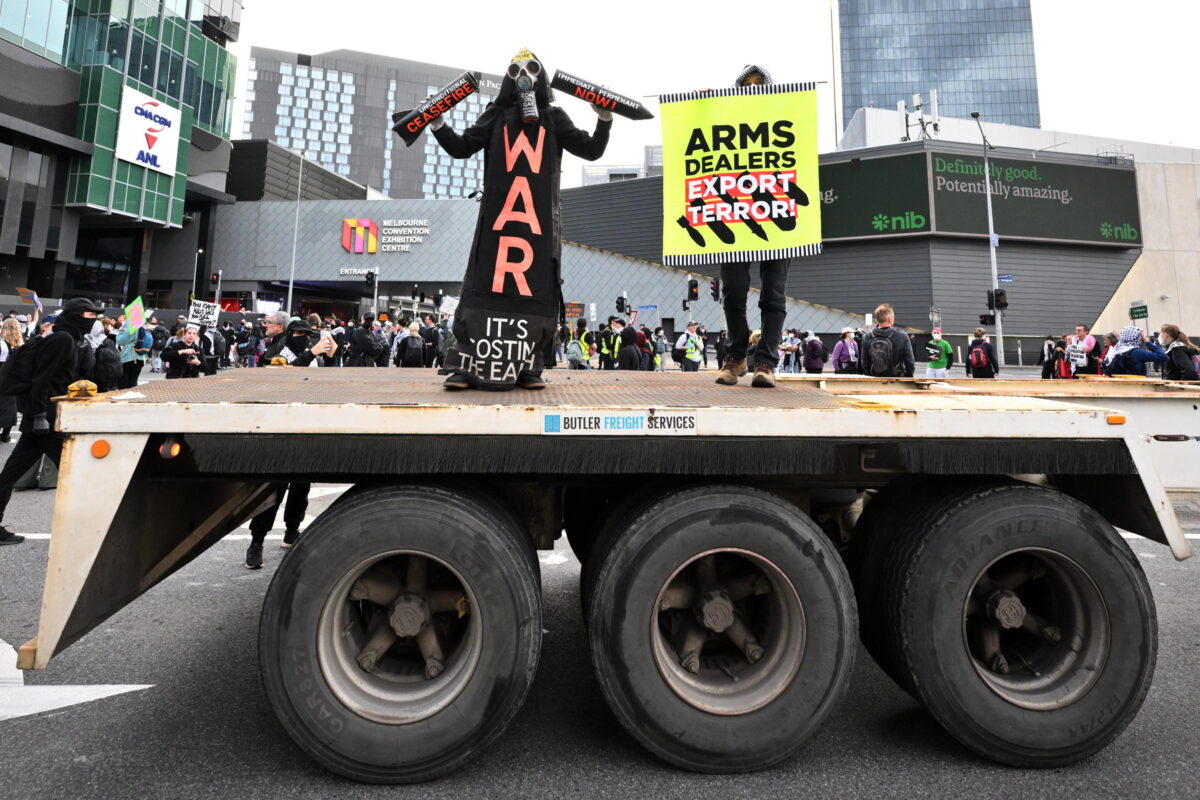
column 733, row 542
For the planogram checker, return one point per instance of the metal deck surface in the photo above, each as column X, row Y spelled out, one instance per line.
column 400, row 387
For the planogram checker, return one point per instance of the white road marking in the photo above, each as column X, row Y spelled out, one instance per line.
column 19, row 700
column 552, row 559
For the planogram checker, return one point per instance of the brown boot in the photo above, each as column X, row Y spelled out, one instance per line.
column 764, row 376
column 733, row 369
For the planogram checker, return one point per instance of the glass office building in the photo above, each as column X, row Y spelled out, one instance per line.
column 87, row 215
column 335, row 108
column 978, row 54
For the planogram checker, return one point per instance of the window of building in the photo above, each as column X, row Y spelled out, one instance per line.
column 285, row 69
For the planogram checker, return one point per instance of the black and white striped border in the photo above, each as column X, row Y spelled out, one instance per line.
column 767, row 88
column 705, row 259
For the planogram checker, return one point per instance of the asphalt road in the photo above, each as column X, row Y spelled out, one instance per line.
column 204, row 728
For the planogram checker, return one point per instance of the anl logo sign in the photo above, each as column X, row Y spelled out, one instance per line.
column 908, row 221
column 148, row 132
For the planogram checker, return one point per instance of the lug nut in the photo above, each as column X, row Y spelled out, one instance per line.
column 690, row 662
column 433, row 668
column 999, row 665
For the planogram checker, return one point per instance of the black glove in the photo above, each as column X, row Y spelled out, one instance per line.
column 40, row 425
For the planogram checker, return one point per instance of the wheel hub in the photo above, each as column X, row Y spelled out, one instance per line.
column 715, row 611
column 409, row 615
column 1006, row 608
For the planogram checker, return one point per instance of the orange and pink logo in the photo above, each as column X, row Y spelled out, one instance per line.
column 360, row 235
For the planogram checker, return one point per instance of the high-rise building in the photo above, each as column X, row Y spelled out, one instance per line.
column 336, row 108
column 978, row 54
column 114, row 121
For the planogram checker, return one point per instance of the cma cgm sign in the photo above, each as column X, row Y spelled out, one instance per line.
column 148, row 132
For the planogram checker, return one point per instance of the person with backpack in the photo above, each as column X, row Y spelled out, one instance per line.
column 1133, row 352
column 579, row 347
column 941, row 356
column 845, row 353
column 410, row 349
column 815, row 354
column 133, row 345
column 159, row 334
column 1183, row 358
column 659, row 348
column 887, row 351
column 981, row 357
column 689, row 344
column 34, row 373
column 105, row 360
column 609, row 342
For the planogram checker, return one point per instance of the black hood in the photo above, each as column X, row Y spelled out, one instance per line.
column 507, row 96
column 72, row 320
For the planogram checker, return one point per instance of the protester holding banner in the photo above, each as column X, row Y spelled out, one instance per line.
column 739, row 168
column 509, row 308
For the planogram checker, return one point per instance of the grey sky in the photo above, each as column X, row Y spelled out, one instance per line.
column 1104, row 67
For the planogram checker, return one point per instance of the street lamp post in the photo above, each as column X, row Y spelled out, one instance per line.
column 295, row 234
column 987, row 186
column 195, row 270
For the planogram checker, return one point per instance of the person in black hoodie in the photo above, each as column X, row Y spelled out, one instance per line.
column 184, row 358
column 364, row 345
column 54, row 369
column 1181, row 355
column 629, row 356
column 511, row 294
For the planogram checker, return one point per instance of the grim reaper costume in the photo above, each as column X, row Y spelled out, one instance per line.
column 511, row 295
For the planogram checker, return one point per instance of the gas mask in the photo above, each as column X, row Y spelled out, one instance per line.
column 525, row 70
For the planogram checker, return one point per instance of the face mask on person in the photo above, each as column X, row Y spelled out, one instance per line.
column 937, row 337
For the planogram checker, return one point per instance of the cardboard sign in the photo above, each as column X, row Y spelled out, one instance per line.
column 202, row 313
column 135, row 313
column 30, row 296
column 740, row 179
column 409, row 124
column 449, row 305
column 598, row 96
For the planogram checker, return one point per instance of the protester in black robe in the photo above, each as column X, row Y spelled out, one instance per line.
column 511, row 293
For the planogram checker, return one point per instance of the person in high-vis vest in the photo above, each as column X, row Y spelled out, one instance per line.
column 690, row 344
column 609, row 341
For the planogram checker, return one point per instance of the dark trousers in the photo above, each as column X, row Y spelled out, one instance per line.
column 28, row 451
column 687, row 365
column 129, row 374
column 293, row 512
column 772, row 303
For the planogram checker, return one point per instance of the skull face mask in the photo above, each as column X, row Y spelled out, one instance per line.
column 525, row 70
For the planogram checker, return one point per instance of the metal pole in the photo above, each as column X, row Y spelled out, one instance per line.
column 295, row 235
column 219, row 275
column 375, row 296
column 987, row 181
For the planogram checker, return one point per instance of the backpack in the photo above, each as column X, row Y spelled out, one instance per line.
column 574, row 352
column 880, row 360
column 107, row 368
column 159, row 334
column 143, row 343
column 660, row 345
column 16, row 374
column 243, row 348
column 1062, row 367
column 1120, row 364
column 978, row 357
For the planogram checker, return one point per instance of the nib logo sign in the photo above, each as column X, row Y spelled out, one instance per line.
column 1123, row 232
column 908, row 221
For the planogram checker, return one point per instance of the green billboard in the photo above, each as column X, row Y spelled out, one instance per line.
column 1036, row 199
column 875, row 197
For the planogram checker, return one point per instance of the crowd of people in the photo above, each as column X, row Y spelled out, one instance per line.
column 1132, row 351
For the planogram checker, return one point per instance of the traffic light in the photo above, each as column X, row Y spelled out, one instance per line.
column 437, row 299
column 214, row 278
column 620, row 304
column 715, row 288
column 991, row 300
column 422, row 296
column 1001, row 297
column 987, row 319
column 686, row 307
column 693, row 290
column 414, row 292
column 370, row 278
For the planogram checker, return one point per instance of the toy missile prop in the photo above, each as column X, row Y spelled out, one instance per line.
column 409, row 124
column 599, row 96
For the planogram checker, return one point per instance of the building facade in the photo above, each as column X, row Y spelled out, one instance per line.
column 114, row 125
column 336, row 108
column 906, row 224
column 978, row 54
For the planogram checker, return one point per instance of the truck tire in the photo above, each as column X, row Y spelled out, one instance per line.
column 720, row 628
column 611, row 529
column 1025, row 624
column 393, row 653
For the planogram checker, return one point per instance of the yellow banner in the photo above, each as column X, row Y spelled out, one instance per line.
column 740, row 179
